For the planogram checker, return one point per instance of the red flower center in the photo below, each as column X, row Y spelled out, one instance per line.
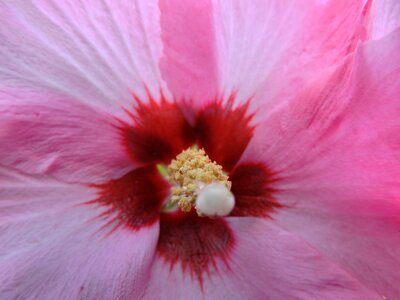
column 160, row 131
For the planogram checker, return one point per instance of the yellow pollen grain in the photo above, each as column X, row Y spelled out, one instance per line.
column 188, row 172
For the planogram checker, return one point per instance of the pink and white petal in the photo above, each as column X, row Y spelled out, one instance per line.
column 99, row 52
column 44, row 133
column 267, row 50
column 52, row 246
column 383, row 18
column 266, row 263
column 189, row 65
column 361, row 236
column 336, row 151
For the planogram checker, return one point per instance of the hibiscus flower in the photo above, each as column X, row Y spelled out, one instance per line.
column 179, row 149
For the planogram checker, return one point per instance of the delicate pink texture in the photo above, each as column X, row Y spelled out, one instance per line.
column 189, row 65
column 44, row 133
column 280, row 266
column 267, row 50
column 94, row 51
column 102, row 52
column 336, row 148
column 383, row 18
column 54, row 246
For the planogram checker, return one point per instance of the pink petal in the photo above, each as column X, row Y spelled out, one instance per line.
column 336, row 149
column 44, row 133
column 95, row 51
column 189, row 66
column 267, row 50
column 289, row 269
column 384, row 17
column 53, row 247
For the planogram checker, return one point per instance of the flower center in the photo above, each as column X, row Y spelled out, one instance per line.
column 200, row 183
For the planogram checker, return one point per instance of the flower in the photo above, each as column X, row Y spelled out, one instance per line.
column 295, row 105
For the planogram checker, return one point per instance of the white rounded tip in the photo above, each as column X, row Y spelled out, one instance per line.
column 215, row 200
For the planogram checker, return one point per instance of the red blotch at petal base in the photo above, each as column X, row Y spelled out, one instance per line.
column 195, row 242
column 135, row 199
column 159, row 132
column 224, row 132
column 252, row 186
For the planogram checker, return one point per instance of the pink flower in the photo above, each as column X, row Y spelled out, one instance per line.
column 298, row 101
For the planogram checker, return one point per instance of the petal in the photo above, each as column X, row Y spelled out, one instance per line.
column 224, row 132
column 54, row 247
column 384, row 17
column 268, row 49
column 134, row 200
column 157, row 132
column 44, row 133
column 193, row 243
column 95, row 51
column 266, row 263
column 253, row 188
column 189, row 65
column 336, row 150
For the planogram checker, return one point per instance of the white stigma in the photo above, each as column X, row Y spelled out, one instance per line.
column 215, row 200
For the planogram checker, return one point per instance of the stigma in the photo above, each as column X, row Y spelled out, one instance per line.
column 199, row 183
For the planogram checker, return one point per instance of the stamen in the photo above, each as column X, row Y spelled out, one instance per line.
column 194, row 176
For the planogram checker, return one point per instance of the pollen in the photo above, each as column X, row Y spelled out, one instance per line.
column 189, row 173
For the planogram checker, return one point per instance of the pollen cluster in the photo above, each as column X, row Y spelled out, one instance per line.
column 191, row 170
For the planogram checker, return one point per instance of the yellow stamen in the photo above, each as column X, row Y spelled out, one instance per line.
column 190, row 171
